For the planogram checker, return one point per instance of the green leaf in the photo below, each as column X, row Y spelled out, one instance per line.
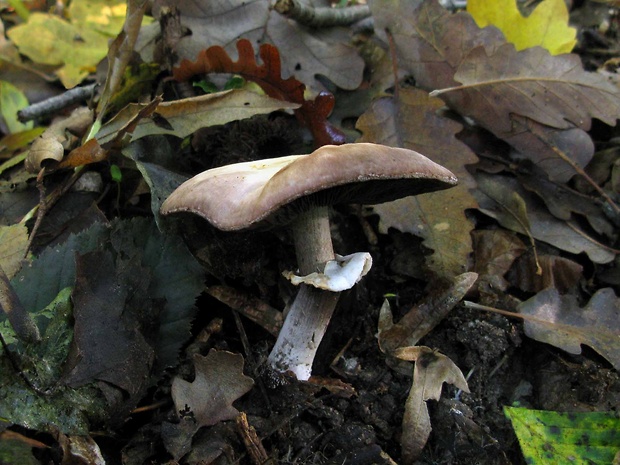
column 69, row 410
column 177, row 278
column 11, row 101
column 116, row 173
column 566, row 438
column 54, row 269
column 152, row 156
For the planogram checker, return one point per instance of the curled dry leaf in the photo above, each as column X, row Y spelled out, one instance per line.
column 218, row 383
column 431, row 370
column 558, row 320
column 51, row 145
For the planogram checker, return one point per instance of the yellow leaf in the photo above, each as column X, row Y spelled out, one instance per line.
column 547, row 26
column 50, row 40
column 76, row 46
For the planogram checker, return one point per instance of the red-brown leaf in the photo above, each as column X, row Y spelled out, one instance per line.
column 312, row 113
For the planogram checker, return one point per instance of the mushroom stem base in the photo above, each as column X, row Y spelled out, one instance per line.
column 303, row 330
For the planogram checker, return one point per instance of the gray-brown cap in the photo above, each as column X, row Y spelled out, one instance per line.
column 246, row 195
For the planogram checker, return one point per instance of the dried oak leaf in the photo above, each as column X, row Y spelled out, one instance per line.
column 557, row 272
column 558, row 320
column 312, row 113
column 494, row 252
column 411, row 121
column 432, row 369
column 504, row 199
column 535, row 101
column 553, row 90
column 306, row 52
column 219, row 382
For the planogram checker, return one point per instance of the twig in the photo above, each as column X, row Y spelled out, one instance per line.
column 252, row 442
column 321, row 16
column 21, row 321
column 46, row 202
column 56, row 103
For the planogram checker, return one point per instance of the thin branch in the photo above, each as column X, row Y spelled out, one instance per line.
column 54, row 104
column 321, row 16
column 21, row 321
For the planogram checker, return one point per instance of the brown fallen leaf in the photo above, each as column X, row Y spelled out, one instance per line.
column 503, row 198
column 536, row 102
column 494, row 252
column 559, row 321
column 431, row 370
column 422, row 317
column 557, row 272
column 563, row 202
column 218, row 383
column 554, row 90
column 410, row 120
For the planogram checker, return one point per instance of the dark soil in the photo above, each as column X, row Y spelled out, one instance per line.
column 351, row 413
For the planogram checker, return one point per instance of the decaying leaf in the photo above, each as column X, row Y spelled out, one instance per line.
column 218, row 383
column 563, row 202
column 546, row 26
column 423, row 317
column 555, row 91
column 558, row 320
column 411, row 121
column 68, row 410
column 11, row 101
column 75, row 47
column 432, row 369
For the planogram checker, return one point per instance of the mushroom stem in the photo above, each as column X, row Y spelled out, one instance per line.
column 309, row 315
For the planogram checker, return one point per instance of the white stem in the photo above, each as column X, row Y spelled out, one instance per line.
column 308, row 317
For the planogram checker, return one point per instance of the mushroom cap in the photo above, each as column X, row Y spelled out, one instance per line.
column 245, row 195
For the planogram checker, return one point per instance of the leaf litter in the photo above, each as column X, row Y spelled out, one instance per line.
column 532, row 227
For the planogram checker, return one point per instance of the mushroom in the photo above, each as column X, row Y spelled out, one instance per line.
column 296, row 190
